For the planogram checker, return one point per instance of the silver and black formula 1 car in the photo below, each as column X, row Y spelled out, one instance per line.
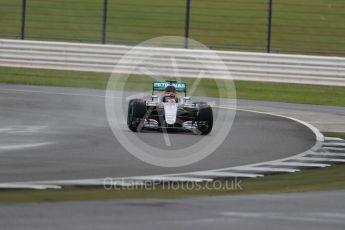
column 169, row 110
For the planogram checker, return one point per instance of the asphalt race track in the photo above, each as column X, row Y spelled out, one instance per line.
column 51, row 133
column 313, row 210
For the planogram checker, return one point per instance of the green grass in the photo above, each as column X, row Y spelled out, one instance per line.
column 292, row 93
column 334, row 134
column 301, row 25
column 307, row 180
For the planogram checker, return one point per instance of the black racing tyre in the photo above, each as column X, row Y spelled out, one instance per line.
column 205, row 119
column 136, row 112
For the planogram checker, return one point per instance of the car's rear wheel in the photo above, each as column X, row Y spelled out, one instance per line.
column 136, row 112
column 205, row 119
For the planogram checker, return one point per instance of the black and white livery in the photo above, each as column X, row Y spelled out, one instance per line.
column 170, row 108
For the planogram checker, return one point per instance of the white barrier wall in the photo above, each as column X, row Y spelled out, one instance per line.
column 242, row 65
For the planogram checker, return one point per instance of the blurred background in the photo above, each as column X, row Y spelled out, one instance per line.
column 278, row 26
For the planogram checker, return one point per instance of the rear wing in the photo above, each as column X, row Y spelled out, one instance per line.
column 160, row 86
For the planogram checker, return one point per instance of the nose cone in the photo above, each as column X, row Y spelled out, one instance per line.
column 170, row 111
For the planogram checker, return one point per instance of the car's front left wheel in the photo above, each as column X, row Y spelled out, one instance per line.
column 136, row 112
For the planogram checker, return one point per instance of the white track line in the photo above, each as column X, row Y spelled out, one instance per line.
column 224, row 174
column 22, row 146
column 301, row 164
column 171, row 179
column 27, row 186
column 265, row 169
column 334, row 144
column 334, row 149
column 321, row 159
column 328, row 154
column 330, row 139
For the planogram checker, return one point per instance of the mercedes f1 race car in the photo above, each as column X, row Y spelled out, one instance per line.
column 168, row 110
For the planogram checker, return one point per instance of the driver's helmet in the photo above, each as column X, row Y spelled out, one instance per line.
column 170, row 91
